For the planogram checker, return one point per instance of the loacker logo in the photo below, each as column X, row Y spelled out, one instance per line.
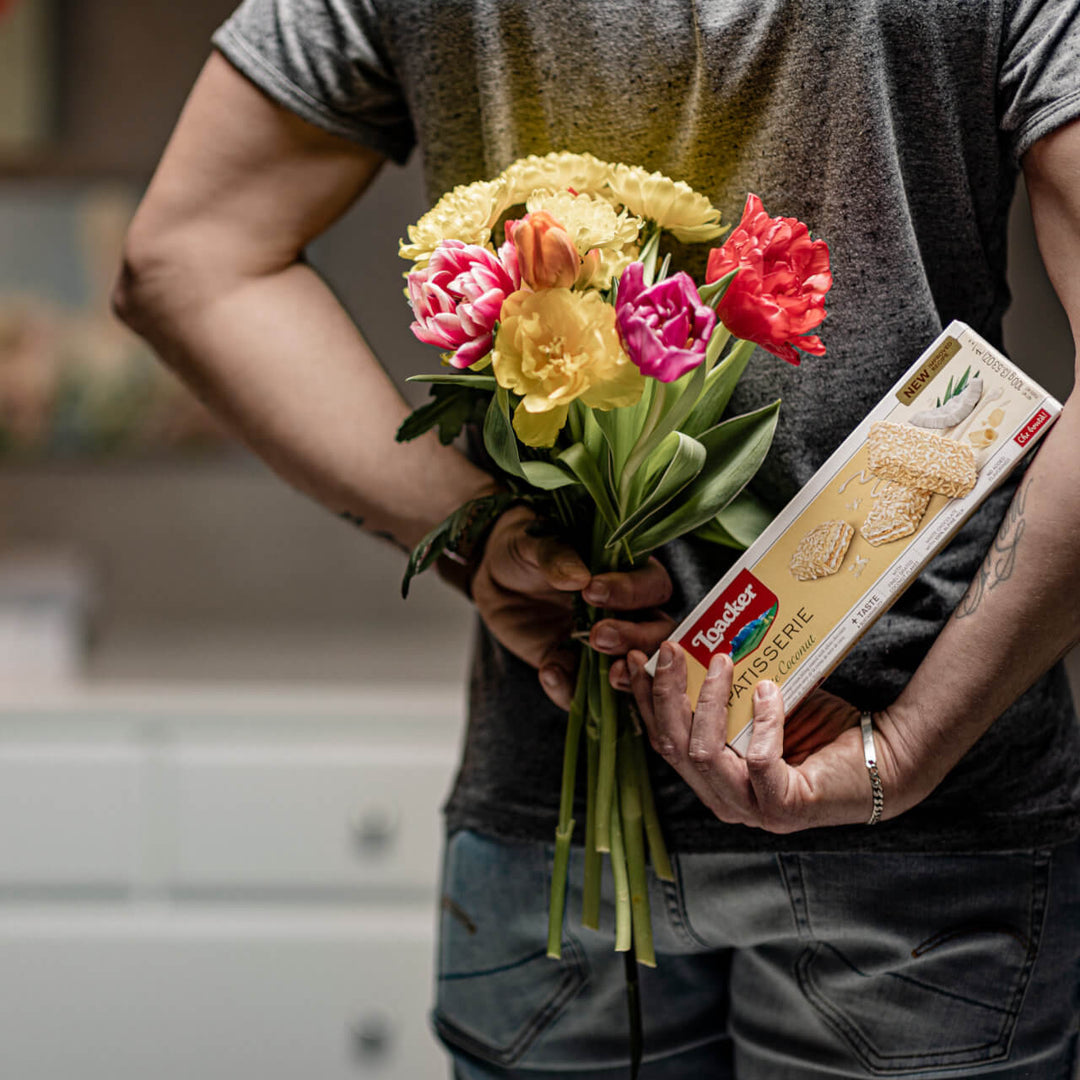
column 1032, row 427
column 735, row 621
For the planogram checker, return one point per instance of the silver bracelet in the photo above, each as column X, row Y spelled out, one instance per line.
column 870, row 753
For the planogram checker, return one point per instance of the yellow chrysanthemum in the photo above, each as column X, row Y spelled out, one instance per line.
column 672, row 204
column 468, row 213
column 603, row 264
column 590, row 221
column 555, row 172
column 556, row 346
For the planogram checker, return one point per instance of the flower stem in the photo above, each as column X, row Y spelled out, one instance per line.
column 564, row 831
column 658, row 853
column 609, row 732
column 623, row 911
column 634, row 847
column 590, row 912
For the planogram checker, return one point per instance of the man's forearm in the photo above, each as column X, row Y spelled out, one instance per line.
column 1019, row 615
column 278, row 359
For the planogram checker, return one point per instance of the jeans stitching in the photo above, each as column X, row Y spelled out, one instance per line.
column 791, row 875
column 676, row 905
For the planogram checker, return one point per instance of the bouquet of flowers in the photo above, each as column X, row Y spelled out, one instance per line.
column 599, row 380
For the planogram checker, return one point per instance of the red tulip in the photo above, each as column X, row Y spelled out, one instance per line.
column 778, row 294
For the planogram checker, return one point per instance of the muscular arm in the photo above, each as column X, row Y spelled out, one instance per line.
column 1020, row 613
column 214, row 278
column 1018, row 616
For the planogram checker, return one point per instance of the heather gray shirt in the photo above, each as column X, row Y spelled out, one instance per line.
column 894, row 128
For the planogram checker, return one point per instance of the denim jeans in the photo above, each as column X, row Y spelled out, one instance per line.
column 770, row 967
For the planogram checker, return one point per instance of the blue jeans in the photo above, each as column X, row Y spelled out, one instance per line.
column 788, row 967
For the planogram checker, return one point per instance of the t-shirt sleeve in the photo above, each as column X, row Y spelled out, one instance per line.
column 325, row 61
column 1039, row 73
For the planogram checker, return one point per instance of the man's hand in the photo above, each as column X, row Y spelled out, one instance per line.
column 807, row 773
column 524, row 590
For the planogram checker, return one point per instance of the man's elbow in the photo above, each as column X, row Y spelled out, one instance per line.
column 140, row 296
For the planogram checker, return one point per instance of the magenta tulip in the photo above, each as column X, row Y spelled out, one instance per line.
column 665, row 327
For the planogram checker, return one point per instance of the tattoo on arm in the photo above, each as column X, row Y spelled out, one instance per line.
column 382, row 534
column 1000, row 561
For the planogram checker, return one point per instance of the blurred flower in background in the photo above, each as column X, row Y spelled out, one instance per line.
column 73, row 381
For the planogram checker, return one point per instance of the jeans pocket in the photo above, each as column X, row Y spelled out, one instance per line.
column 497, row 988
column 920, row 962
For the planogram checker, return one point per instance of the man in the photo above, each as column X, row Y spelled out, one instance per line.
column 798, row 943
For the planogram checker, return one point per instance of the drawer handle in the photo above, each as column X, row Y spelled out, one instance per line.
column 372, row 1037
column 375, row 828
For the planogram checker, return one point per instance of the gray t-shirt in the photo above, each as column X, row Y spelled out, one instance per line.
column 894, row 129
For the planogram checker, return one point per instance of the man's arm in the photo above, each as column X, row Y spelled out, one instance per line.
column 214, row 278
column 1018, row 617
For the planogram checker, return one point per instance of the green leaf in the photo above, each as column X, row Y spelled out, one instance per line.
column 467, row 523
column 745, row 517
column 499, row 438
column 583, row 465
column 466, row 380
column 679, row 400
column 546, row 475
column 713, row 292
column 622, row 426
column 715, row 533
column 719, row 386
column 453, row 407
column 686, row 462
column 735, row 450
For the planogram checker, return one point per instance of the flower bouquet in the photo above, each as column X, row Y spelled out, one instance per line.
column 599, row 380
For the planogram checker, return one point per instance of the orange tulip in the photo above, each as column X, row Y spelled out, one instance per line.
column 546, row 255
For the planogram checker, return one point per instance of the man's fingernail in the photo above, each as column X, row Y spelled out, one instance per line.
column 632, row 664
column 598, row 592
column 551, row 678
column 765, row 691
column 666, row 657
column 606, row 638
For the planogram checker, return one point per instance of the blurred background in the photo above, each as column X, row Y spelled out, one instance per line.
column 218, row 802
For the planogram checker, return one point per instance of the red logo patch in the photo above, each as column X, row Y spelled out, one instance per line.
column 726, row 625
column 1034, row 425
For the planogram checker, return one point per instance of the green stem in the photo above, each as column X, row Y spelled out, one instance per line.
column 609, row 732
column 623, row 913
column 720, row 337
column 590, row 912
column 658, row 853
column 634, row 846
column 564, row 831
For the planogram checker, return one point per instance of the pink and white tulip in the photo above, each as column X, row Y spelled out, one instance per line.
column 457, row 298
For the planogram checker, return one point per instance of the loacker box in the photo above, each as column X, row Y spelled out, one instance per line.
column 890, row 497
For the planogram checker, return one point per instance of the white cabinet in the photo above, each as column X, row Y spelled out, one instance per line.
column 221, row 885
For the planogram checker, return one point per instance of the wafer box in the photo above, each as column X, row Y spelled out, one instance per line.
column 890, row 497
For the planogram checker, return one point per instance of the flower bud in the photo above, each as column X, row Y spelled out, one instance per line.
column 546, row 254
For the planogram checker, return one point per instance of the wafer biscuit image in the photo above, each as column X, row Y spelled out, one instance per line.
column 920, row 459
column 821, row 551
column 896, row 513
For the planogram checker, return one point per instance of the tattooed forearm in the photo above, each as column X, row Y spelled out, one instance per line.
column 382, row 534
column 1000, row 561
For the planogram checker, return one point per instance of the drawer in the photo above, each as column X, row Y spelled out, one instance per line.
column 69, row 815
column 218, row 995
column 325, row 816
